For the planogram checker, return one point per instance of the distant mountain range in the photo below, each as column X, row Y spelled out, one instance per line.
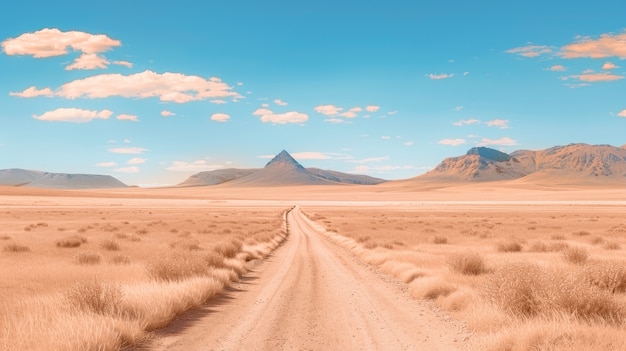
column 39, row 179
column 283, row 169
column 574, row 163
column 570, row 164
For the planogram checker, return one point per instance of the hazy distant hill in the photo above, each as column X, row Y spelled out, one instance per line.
column 39, row 179
column 574, row 162
column 283, row 169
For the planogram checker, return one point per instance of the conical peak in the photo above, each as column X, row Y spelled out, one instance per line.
column 284, row 159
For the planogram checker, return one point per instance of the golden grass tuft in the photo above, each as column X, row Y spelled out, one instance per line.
column 509, row 246
column 575, row 255
column 88, row 258
column 228, row 249
column 430, row 288
column 612, row 245
column 120, row 259
column 71, row 241
column 110, row 245
column 467, row 263
column 439, row 240
column 95, row 296
column 15, row 247
column 176, row 267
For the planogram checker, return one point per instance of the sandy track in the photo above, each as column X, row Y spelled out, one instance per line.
column 312, row 295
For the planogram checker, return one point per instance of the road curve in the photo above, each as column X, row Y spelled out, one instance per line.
column 312, row 295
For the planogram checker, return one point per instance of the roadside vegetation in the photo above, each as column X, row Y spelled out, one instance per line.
column 92, row 279
column 520, row 279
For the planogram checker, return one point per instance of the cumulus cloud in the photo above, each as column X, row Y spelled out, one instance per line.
column 622, row 113
column 328, row 110
column 131, row 169
column 123, row 63
column 311, row 155
column 128, row 150
column 136, row 161
column 609, row 66
column 466, row 122
column 506, row 141
column 440, row 76
column 608, row 45
column 194, row 166
column 168, row 87
column 348, row 114
column 408, row 143
column 88, row 62
column 499, row 123
column 557, row 68
column 267, row 116
column 73, row 115
column 33, row 92
column 457, row 108
column 166, row 113
column 126, row 117
column 531, row 50
column 219, row 102
column 280, row 102
column 220, row 117
column 385, row 137
column 106, row 164
column 372, row 108
column 50, row 42
column 590, row 76
column 452, row 142
column 335, row 120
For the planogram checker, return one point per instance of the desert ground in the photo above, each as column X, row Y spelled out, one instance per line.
column 508, row 266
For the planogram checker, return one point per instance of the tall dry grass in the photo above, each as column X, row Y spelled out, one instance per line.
column 99, row 299
column 548, row 286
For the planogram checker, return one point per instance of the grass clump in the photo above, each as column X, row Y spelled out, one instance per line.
column 71, row 241
column 607, row 276
column 110, row 245
column 576, row 255
column 120, row 259
column 509, row 246
column 4, row 237
column 14, row 247
column 467, row 263
column 88, row 258
column 228, row 249
column 95, row 296
column 439, row 240
column 612, row 245
column 176, row 267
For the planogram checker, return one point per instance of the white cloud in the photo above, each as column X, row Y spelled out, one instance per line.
column 166, row 113
column 557, row 68
column 335, row 120
column 328, row 110
column 408, row 143
column 131, row 169
column 506, row 141
column 220, row 117
column 219, row 102
column 106, row 164
column 123, row 63
column 371, row 159
column 348, row 114
column 136, row 161
column 128, row 150
column 391, row 113
column 33, row 92
column 268, row 116
column 440, row 76
column 457, row 108
column 126, row 117
column 372, row 108
column 50, row 42
column 609, row 65
column 622, row 113
column 280, row 102
column 265, row 105
column 88, row 62
column 195, row 166
column 385, row 137
column 499, row 123
column 168, row 87
column 311, row 155
column 531, row 50
column 452, row 142
column 466, row 122
column 355, row 109
column 608, row 45
column 73, row 115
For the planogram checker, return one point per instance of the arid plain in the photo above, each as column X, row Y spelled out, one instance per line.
column 494, row 266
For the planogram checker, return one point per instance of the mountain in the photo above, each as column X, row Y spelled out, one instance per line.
column 283, row 169
column 39, row 179
column 570, row 163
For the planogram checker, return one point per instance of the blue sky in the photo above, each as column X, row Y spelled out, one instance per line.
column 152, row 91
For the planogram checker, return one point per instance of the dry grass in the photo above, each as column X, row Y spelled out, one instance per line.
column 564, row 289
column 15, row 247
column 115, row 305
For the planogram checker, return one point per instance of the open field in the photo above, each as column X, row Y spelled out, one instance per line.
column 547, row 277
column 81, row 277
column 523, row 268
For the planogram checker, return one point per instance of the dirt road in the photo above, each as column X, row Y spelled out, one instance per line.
column 312, row 295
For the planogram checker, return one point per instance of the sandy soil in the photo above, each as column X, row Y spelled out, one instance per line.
column 313, row 295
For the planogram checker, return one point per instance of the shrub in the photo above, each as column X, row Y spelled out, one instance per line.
column 596, row 240
column 176, row 267
column 94, row 296
column 608, row 276
column 187, row 244
column 4, row 237
column 440, row 240
column 581, row 233
column 120, row 259
column 16, row 248
column 612, row 245
column 576, row 255
column 214, row 260
column 228, row 249
column 88, row 258
column 71, row 241
column 509, row 246
column 370, row 244
column 468, row 263
column 557, row 237
column 110, row 245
